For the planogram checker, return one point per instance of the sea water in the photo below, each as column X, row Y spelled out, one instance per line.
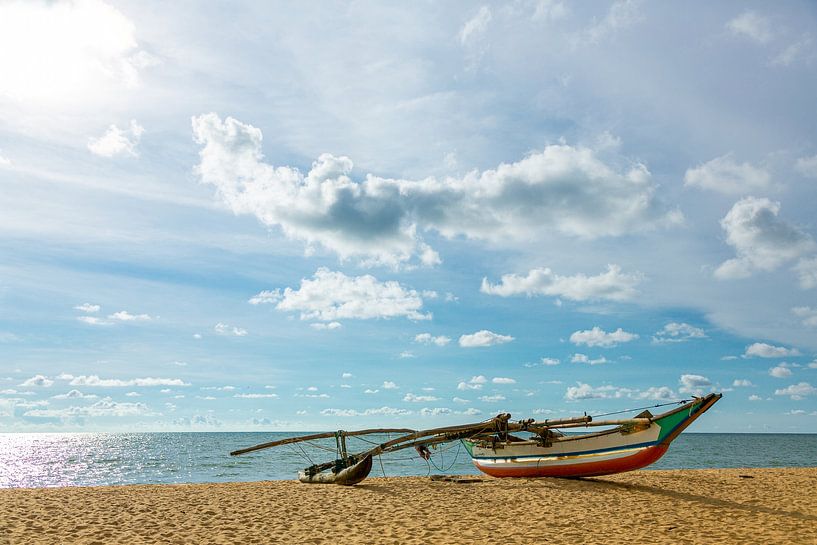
column 94, row 459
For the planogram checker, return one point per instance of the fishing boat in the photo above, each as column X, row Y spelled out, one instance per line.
column 500, row 447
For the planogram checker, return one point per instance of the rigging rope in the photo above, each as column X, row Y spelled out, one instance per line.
column 642, row 408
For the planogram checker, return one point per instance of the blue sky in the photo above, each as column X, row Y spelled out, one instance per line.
column 278, row 216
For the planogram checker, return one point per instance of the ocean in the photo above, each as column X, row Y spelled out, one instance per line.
column 96, row 459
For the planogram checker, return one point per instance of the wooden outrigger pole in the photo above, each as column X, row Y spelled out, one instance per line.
column 546, row 447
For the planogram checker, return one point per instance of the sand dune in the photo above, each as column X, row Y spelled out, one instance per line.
column 689, row 506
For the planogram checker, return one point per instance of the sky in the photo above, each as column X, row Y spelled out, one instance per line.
column 336, row 215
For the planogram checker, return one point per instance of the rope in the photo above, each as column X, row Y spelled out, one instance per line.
column 642, row 408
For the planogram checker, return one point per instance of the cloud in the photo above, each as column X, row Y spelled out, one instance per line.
column 94, row 380
column 198, row 421
column 475, row 26
column 492, row 399
column 256, row 396
column 118, row 142
column 612, row 285
column 582, row 358
column 92, row 320
column 549, row 361
column 57, row 52
column 382, row 411
column 806, row 270
column 330, row 326
column 503, row 380
column 599, row 337
column 125, row 316
column 428, row 338
column 724, row 175
column 419, row 399
column 585, row 391
column 483, row 338
column 226, row 329
column 797, row 391
column 436, row 411
column 622, row 14
column 808, row 314
column 752, row 25
column 347, row 375
column 780, row 371
column 475, row 383
column 4, row 161
column 88, row 307
column 74, row 394
column 330, row 296
column 661, row 393
column 761, row 240
column 549, row 10
column 675, row 332
column 265, row 297
column 763, row 350
column 802, row 48
column 807, row 166
column 693, row 384
column 104, row 407
column 406, row 354
column 37, row 380
column 389, row 385
column 742, row 383
column 562, row 189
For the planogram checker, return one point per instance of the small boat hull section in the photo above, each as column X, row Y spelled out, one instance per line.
column 347, row 477
column 590, row 455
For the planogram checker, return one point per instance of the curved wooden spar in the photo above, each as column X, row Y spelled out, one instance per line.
column 314, row 436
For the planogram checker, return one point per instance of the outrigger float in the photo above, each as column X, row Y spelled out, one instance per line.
column 545, row 451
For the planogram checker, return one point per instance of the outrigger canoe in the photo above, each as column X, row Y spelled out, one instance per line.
column 497, row 449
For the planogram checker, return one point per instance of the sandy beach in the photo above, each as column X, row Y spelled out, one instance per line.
column 692, row 506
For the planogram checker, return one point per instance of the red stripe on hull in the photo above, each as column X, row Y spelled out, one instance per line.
column 582, row 469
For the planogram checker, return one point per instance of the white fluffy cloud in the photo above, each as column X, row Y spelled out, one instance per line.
column 483, row 338
column 761, row 240
column 742, row 383
column 752, row 25
column 94, row 380
column 88, row 307
column 67, row 51
column 693, row 384
column 806, row 270
column 586, row 391
column 125, row 316
column 37, row 380
column 583, row 358
column 763, row 350
column 599, row 337
column 104, row 407
column 226, row 329
column 412, row 398
column 322, row 326
column 797, row 391
column 382, row 411
column 503, row 380
column 389, row 385
column 563, row 189
column 331, row 296
column 807, row 166
column 724, row 175
column 118, row 142
column 74, row 394
column 428, row 338
column 475, row 26
column 808, row 315
column 675, row 332
column 612, row 285
column 780, row 371
column 475, row 383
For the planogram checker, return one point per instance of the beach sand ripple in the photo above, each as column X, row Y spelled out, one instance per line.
column 690, row 506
